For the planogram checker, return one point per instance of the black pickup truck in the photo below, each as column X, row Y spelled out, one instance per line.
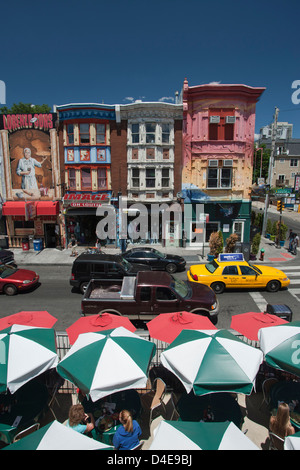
column 148, row 294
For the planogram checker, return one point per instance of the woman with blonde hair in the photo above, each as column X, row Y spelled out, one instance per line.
column 78, row 419
column 127, row 435
column 281, row 424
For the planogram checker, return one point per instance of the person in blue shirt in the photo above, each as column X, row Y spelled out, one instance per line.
column 127, row 435
column 78, row 420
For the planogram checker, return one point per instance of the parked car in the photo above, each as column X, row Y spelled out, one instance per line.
column 157, row 260
column 13, row 280
column 221, row 275
column 7, row 257
column 89, row 266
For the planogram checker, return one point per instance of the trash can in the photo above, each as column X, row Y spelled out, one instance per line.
column 25, row 244
column 37, row 245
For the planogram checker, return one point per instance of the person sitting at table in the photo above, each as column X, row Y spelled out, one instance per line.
column 78, row 419
column 127, row 435
column 281, row 424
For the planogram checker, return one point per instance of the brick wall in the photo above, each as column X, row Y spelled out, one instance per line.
column 118, row 142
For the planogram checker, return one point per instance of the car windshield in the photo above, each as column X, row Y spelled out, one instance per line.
column 181, row 287
column 6, row 270
column 211, row 267
column 255, row 268
column 158, row 254
column 126, row 265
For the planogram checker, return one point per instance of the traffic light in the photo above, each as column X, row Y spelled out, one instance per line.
column 280, row 205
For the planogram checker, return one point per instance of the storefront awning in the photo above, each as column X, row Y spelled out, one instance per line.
column 47, row 208
column 14, row 208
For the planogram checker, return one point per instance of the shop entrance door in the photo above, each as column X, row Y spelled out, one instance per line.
column 49, row 231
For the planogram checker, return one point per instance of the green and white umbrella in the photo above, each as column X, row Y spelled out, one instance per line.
column 292, row 442
column 188, row 435
column 56, row 436
column 212, row 361
column 25, row 353
column 281, row 346
column 102, row 363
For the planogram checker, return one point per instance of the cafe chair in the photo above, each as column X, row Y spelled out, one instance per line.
column 266, row 387
column 139, row 446
column 26, row 432
column 153, row 400
column 172, row 412
column 276, row 442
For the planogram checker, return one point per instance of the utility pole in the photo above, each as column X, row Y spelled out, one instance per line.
column 270, row 172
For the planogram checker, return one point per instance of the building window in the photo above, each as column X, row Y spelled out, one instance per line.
column 72, row 178
column 150, row 177
column 101, row 178
column 293, row 162
column 84, row 130
column 70, row 134
column 281, row 178
column 166, row 154
column 165, row 131
column 86, row 179
column 221, row 124
column 219, row 178
column 150, row 132
column 135, row 177
column 165, row 178
column 135, row 133
column 150, row 153
column 100, row 133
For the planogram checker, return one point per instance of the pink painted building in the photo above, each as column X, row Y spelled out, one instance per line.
column 218, row 141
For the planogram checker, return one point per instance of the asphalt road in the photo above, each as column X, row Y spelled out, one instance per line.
column 55, row 295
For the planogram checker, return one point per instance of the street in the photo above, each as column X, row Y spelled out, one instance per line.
column 55, row 295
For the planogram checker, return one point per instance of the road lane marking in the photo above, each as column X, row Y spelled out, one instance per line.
column 259, row 300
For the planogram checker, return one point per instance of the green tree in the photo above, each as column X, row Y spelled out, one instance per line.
column 257, row 162
column 26, row 108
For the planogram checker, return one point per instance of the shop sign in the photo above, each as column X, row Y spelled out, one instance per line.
column 85, row 200
column 30, row 210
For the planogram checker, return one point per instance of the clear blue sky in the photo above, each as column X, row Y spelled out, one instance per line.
column 112, row 51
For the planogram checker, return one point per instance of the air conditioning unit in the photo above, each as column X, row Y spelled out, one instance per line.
column 230, row 119
column 213, row 163
column 214, row 119
column 227, row 162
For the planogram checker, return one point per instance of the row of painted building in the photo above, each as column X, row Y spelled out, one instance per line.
column 192, row 159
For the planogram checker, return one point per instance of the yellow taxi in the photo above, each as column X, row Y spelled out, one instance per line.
column 230, row 270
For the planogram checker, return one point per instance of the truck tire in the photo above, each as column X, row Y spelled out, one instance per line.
column 83, row 287
column 109, row 310
column 10, row 289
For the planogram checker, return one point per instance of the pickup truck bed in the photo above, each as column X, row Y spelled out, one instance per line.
column 122, row 290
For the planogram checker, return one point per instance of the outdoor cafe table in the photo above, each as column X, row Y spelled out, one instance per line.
column 286, row 391
column 26, row 404
column 217, row 407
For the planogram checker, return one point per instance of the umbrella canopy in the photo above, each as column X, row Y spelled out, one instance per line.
column 167, row 326
column 249, row 323
column 102, row 363
column 104, row 321
column 56, row 436
column 280, row 345
column 292, row 442
column 212, row 361
column 39, row 318
column 188, row 435
column 25, row 353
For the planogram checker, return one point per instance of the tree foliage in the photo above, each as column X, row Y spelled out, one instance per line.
column 26, row 108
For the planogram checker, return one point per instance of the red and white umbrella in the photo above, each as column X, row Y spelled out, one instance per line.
column 94, row 323
column 37, row 318
column 167, row 326
column 248, row 324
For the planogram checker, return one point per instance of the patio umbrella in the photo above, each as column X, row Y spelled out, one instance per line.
column 167, row 326
column 188, row 435
column 39, row 318
column 212, row 361
column 249, row 323
column 25, row 353
column 56, row 436
column 102, row 363
column 104, row 321
column 292, row 442
column 280, row 345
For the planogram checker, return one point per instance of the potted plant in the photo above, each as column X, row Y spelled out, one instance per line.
column 269, row 228
column 255, row 246
column 273, row 231
column 281, row 237
column 231, row 242
column 216, row 244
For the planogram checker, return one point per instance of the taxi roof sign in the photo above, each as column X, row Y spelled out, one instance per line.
column 231, row 257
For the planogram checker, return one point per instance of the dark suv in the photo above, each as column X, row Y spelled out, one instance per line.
column 92, row 266
column 7, row 257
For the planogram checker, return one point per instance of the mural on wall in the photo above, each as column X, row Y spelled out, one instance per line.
column 29, row 156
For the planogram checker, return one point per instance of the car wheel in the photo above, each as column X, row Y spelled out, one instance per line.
column 200, row 312
column 218, row 287
column 273, row 286
column 83, row 287
column 171, row 268
column 10, row 289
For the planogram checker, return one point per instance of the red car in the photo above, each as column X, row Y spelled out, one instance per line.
column 13, row 280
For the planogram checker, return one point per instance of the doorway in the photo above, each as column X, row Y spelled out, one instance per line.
column 50, row 239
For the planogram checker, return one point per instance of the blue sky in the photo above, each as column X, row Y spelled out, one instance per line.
column 113, row 52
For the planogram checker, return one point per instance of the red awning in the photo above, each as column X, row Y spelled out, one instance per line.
column 47, row 208
column 13, row 208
